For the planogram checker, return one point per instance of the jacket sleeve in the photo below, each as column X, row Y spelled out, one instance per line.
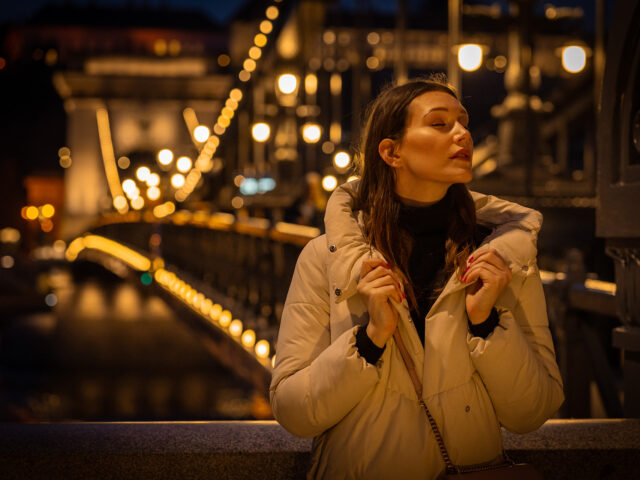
column 315, row 382
column 517, row 361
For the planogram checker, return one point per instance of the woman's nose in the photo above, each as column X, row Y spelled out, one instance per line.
column 461, row 134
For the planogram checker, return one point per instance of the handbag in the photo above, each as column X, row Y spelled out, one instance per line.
column 506, row 469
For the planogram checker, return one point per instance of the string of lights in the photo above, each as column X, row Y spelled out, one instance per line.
column 231, row 104
column 183, row 291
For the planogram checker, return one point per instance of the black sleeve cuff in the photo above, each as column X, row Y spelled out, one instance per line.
column 366, row 348
column 485, row 328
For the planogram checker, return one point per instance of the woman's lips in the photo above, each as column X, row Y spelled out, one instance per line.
column 462, row 153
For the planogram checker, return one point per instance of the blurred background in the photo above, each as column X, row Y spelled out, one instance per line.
column 164, row 162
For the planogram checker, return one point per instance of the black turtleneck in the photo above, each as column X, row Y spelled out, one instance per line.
column 427, row 226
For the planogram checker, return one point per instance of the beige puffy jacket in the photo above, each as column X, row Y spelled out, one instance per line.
column 365, row 418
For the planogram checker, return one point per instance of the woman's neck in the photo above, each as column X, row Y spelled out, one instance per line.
column 420, row 194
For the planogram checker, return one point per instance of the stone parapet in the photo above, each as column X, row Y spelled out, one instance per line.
column 560, row 449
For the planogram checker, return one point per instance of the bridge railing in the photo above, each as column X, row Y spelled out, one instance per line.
column 249, row 264
column 560, row 449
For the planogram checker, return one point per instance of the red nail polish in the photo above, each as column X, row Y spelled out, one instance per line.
column 387, row 265
column 470, row 259
column 467, row 268
column 404, row 296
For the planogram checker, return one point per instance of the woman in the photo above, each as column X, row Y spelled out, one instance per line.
column 409, row 247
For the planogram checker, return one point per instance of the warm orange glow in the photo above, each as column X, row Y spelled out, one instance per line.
column 46, row 225
column 108, row 156
column 255, row 53
column 235, row 94
column 260, row 40
column 262, row 349
column 249, row 65
column 249, row 338
column 47, row 210
column 153, row 193
column 266, row 26
column 235, row 327
column 96, row 242
column 272, row 12
column 32, row 212
column 225, row 318
column 311, row 132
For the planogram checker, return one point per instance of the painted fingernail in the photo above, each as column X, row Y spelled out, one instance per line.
column 467, row 268
column 387, row 265
column 462, row 279
column 470, row 259
column 403, row 295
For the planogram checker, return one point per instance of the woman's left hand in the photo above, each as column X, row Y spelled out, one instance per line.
column 493, row 276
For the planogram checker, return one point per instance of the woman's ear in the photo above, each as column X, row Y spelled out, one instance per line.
column 387, row 150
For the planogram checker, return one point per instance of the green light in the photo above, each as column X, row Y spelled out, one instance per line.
column 146, row 278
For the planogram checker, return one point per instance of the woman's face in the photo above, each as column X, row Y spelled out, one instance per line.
column 436, row 149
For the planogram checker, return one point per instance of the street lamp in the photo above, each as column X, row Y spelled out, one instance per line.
column 311, row 132
column 341, row 160
column 470, row 57
column 574, row 58
column 165, row 156
column 287, row 83
column 260, row 132
column 201, row 133
column 183, row 164
column 329, row 183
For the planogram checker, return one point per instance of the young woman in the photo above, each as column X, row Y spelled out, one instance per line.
column 408, row 247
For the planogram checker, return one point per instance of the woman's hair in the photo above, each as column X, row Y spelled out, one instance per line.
column 376, row 197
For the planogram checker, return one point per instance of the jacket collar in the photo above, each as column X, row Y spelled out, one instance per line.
column 514, row 235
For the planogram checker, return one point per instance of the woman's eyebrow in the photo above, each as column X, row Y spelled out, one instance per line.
column 445, row 109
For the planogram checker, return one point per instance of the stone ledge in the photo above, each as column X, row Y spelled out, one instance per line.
column 237, row 450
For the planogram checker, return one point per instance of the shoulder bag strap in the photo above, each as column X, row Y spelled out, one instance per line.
column 451, row 468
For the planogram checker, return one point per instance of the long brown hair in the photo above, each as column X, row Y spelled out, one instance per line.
column 376, row 197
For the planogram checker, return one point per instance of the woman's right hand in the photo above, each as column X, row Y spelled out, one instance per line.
column 378, row 283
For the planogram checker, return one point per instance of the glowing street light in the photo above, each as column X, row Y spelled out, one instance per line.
column 201, row 133
column 574, row 58
column 470, row 57
column 341, row 159
column 143, row 173
column 260, row 132
column 311, row 132
column 329, row 183
column 119, row 202
column 249, row 338
column 153, row 180
column 183, row 164
column 287, row 83
column 137, row 203
column 48, row 210
column 153, row 193
column 165, row 156
column 177, row 180
column 129, row 186
column 262, row 349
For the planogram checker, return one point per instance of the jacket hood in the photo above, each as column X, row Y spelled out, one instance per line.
column 514, row 235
